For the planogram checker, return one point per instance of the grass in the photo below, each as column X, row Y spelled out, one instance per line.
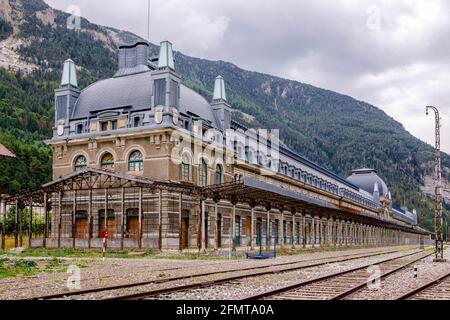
column 13, row 268
column 94, row 254
column 286, row 250
column 55, row 265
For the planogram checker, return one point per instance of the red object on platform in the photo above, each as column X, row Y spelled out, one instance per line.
column 104, row 234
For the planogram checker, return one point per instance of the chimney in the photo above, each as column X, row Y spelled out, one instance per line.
column 133, row 58
column 65, row 98
column 221, row 109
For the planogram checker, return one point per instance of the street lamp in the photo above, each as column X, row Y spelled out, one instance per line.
column 439, row 250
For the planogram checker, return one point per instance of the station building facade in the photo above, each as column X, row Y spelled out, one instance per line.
column 155, row 165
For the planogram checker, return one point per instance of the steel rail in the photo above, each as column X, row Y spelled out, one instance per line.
column 298, row 285
column 157, row 292
column 383, row 276
column 424, row 287
column 159, row 281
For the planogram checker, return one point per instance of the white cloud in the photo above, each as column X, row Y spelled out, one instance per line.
column 400, row 65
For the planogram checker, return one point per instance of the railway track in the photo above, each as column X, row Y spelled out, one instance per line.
column 433, row 290
column 250, row 272
column 339, row 285
column 221, row 283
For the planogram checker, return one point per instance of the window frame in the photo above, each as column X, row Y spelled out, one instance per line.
column 218, row 174
column 107, row 164
column 185, row 168
column 203, row 173
column 79, row 167
column 132, row 163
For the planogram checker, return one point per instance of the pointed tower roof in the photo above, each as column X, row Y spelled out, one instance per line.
column 69, row 76
column 219, row 89
column 166, row 56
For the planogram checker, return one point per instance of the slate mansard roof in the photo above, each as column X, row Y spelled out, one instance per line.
column 366, row 179
column 134, row 91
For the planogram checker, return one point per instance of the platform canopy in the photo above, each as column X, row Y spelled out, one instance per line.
column 246, row 191
column 258, row 193
column 92, row 179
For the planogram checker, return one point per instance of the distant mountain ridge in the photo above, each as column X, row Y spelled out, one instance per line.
column 331, row 129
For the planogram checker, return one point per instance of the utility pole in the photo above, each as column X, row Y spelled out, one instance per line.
column 439, row 249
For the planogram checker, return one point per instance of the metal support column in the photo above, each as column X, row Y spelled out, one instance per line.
column 204, row 235
column 59, row 218
column 180, row 221
column 160, row 219
column 30, row 225
column 139, row 237
column 44, row 240
column 3, row 209
column 74, row 212
column 123, row 220
column 90, row 219
column 252, row 227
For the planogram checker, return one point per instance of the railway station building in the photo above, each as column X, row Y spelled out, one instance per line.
column 150, row 163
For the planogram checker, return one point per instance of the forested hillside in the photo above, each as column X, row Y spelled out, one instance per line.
column 334, row 130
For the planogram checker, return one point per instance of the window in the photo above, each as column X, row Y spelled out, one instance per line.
column 160, row 92
column 107, row 161
column 218, row 174
column 250, row 156
column 136, row 122
column 79, row 128
column 80, row 163
column 114, row 125
column 203, row 174
column 174, row 93
column 104, row 126
column 185, row 168
column 135, row 162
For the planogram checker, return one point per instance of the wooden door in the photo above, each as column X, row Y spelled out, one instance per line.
column 133, row 227
column 81, row 228
column 184, row 233
column 219, row 231
column 248, row 226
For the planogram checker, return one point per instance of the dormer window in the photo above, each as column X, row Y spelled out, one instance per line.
column 137, row 122
column 80, row 128
column 108, row 125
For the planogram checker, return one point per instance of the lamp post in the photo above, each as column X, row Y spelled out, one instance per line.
column 439, row 250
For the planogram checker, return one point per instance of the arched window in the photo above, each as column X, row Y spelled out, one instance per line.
column 80, row 163
column 107, row 161
column 203, row 173
column 135, row 161
column 218, row 174
column 185, row 168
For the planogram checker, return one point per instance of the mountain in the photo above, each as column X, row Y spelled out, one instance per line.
column 334, row 130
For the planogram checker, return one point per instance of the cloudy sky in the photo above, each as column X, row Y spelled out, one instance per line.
column 393, row 54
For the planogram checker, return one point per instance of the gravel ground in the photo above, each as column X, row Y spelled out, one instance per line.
column 253, row 286
column 400, row 283
column 100, row 273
